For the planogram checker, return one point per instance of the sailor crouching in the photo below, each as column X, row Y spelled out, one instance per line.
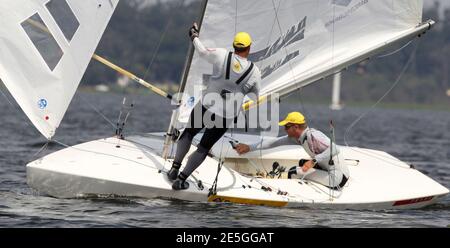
column 323, row 168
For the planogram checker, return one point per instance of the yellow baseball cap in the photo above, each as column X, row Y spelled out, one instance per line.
column 242, row 40
column 294, row 118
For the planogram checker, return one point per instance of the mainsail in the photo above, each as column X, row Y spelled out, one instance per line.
column 297, row 42
column 45, row 48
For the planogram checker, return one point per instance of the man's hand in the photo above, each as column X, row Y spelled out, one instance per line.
column 193, row 31
column 242, row 148
column 308, row 165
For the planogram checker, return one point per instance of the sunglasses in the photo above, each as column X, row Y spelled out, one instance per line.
column 286, row 127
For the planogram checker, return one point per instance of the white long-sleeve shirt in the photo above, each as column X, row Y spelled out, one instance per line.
column 315, row 143
column 228, row 107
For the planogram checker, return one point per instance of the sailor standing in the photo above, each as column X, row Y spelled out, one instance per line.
column 323, row 167
column 233, row 77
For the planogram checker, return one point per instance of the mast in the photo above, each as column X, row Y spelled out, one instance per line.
column 187, row 66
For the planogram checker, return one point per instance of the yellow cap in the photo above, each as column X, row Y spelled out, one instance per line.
column 242, row 40
column 294, row 118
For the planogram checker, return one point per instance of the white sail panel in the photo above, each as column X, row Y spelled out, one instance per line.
column 45, row 47
column 298, row 40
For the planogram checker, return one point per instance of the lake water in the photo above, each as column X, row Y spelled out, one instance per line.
column 417, row 136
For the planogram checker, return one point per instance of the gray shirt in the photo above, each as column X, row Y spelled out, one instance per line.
column 315, row 143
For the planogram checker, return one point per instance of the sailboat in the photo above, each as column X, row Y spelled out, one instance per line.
column 45, row 48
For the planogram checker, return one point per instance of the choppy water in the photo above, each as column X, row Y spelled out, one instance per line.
column 420, row 137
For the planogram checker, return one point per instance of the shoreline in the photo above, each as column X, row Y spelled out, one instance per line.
column 387, row 105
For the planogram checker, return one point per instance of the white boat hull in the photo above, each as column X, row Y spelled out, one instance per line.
column 134, row 168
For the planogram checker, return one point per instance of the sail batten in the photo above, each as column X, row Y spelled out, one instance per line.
column 45, row 47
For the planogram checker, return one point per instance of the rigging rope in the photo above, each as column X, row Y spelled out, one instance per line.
column 353, row 124
column 405, row 68
column 276, row 21
column 162, row 37
column 236, row 17
column 276, row 10
column 169, row 22
column 281, row 32
column 396, row 51
column 97, row 111
column 382, row 56
column 26, row 121
column 213, row 189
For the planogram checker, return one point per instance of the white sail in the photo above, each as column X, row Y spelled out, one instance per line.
column 45, row 47
column 296, row 42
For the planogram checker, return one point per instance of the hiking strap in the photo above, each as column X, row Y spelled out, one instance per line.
column 227, row 75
